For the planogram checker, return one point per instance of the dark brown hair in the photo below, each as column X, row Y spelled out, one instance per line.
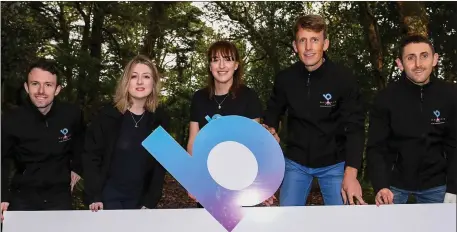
column 225, row 48
column 414, row 39
column 314, row 23
column 45, row 65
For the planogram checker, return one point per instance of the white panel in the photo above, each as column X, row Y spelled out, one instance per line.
column 390, row 218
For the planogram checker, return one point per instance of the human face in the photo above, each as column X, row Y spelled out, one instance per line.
column 310, row 47
column 42, row 87
column 141, row 82
column 223, row 68
column 418, row 61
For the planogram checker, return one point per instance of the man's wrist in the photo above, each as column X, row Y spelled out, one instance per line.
column 350, row 172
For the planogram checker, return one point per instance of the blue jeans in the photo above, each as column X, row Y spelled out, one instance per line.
column 297, row 181
column 433, row 195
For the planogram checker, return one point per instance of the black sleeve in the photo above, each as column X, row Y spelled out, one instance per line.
column 451, row 146
column 277, row 103
column 92, row 159
column 78, row 143
column 254, row 109
column 377, row 147
column 154, row 192
column 8, row 142
column 194, row 111
column 353, row 116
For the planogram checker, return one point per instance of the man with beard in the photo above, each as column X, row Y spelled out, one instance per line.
column 325, row 121
column 43, row 140
column 412, row 136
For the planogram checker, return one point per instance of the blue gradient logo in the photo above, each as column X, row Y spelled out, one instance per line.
column 193, row 173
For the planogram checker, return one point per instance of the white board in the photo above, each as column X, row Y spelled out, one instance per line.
column 390, row 218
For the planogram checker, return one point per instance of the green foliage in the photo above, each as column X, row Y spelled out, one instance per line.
column 93, row 41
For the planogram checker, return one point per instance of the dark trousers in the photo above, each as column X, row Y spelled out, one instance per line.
column 125, row 204
column 114, row 199
column 34, row 199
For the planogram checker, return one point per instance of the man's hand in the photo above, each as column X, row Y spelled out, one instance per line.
column 96, row 206
column 4, row 207
column 192, row 197
column 74, row 179
column 448, row 198
column 272, row 131
column 351, row 187
column 270, row 201
column 384, row 196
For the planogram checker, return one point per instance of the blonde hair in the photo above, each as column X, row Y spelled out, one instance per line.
column 122, row 98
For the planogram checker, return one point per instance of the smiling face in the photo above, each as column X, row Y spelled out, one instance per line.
column 141, row 83
column 418, row 61
column 310, row 46
column 222, row 67
column 42, row 87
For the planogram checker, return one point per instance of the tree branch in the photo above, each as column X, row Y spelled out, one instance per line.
column 81, row 11
column 114, row 40
column 256, row 60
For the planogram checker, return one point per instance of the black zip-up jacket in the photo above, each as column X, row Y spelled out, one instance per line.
column 325, row 122
column 43, row 148
column 101, row 138
column 412, row 136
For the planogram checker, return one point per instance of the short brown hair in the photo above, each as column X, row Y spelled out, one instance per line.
column 314, row 23
column 414, row 39
column 225, row 48
column 122, row 98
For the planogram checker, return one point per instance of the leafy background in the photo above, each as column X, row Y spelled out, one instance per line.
column 92, row 41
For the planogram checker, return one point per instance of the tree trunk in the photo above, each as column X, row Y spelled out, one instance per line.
column 95, row 47
column 374, row 42
column 83, row 53
column 68, row 67
column 413, row 18
column 157, row 15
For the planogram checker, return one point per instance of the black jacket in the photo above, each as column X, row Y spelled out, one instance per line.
column 319, row 132
column 43, row 148
column 412, row 136
column 101, row 138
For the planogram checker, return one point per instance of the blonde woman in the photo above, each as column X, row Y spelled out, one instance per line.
column 118, row 172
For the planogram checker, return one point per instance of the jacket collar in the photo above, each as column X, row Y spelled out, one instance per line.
column 319, row 71
column 111, row 111
column 32, row 108
column 407, row 82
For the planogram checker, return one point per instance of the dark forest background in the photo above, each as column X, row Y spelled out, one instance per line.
column 92, row 41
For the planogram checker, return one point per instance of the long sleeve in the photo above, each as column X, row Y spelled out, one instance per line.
column 353, row 116
column 451, row 148
column 8, row 142
column 78, row 144
column 277, row 103
column 154, row 192
column 92, row 159
column 377, row 147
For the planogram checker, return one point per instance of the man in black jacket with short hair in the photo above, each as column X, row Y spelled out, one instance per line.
column 325, row 121
column 412, row 136
column 43, row 139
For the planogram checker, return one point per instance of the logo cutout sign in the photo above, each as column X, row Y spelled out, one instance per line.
column 217, row 145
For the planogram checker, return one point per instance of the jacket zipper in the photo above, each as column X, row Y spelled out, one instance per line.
column 422, row 97
column 308, row 84
column 46, row 121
